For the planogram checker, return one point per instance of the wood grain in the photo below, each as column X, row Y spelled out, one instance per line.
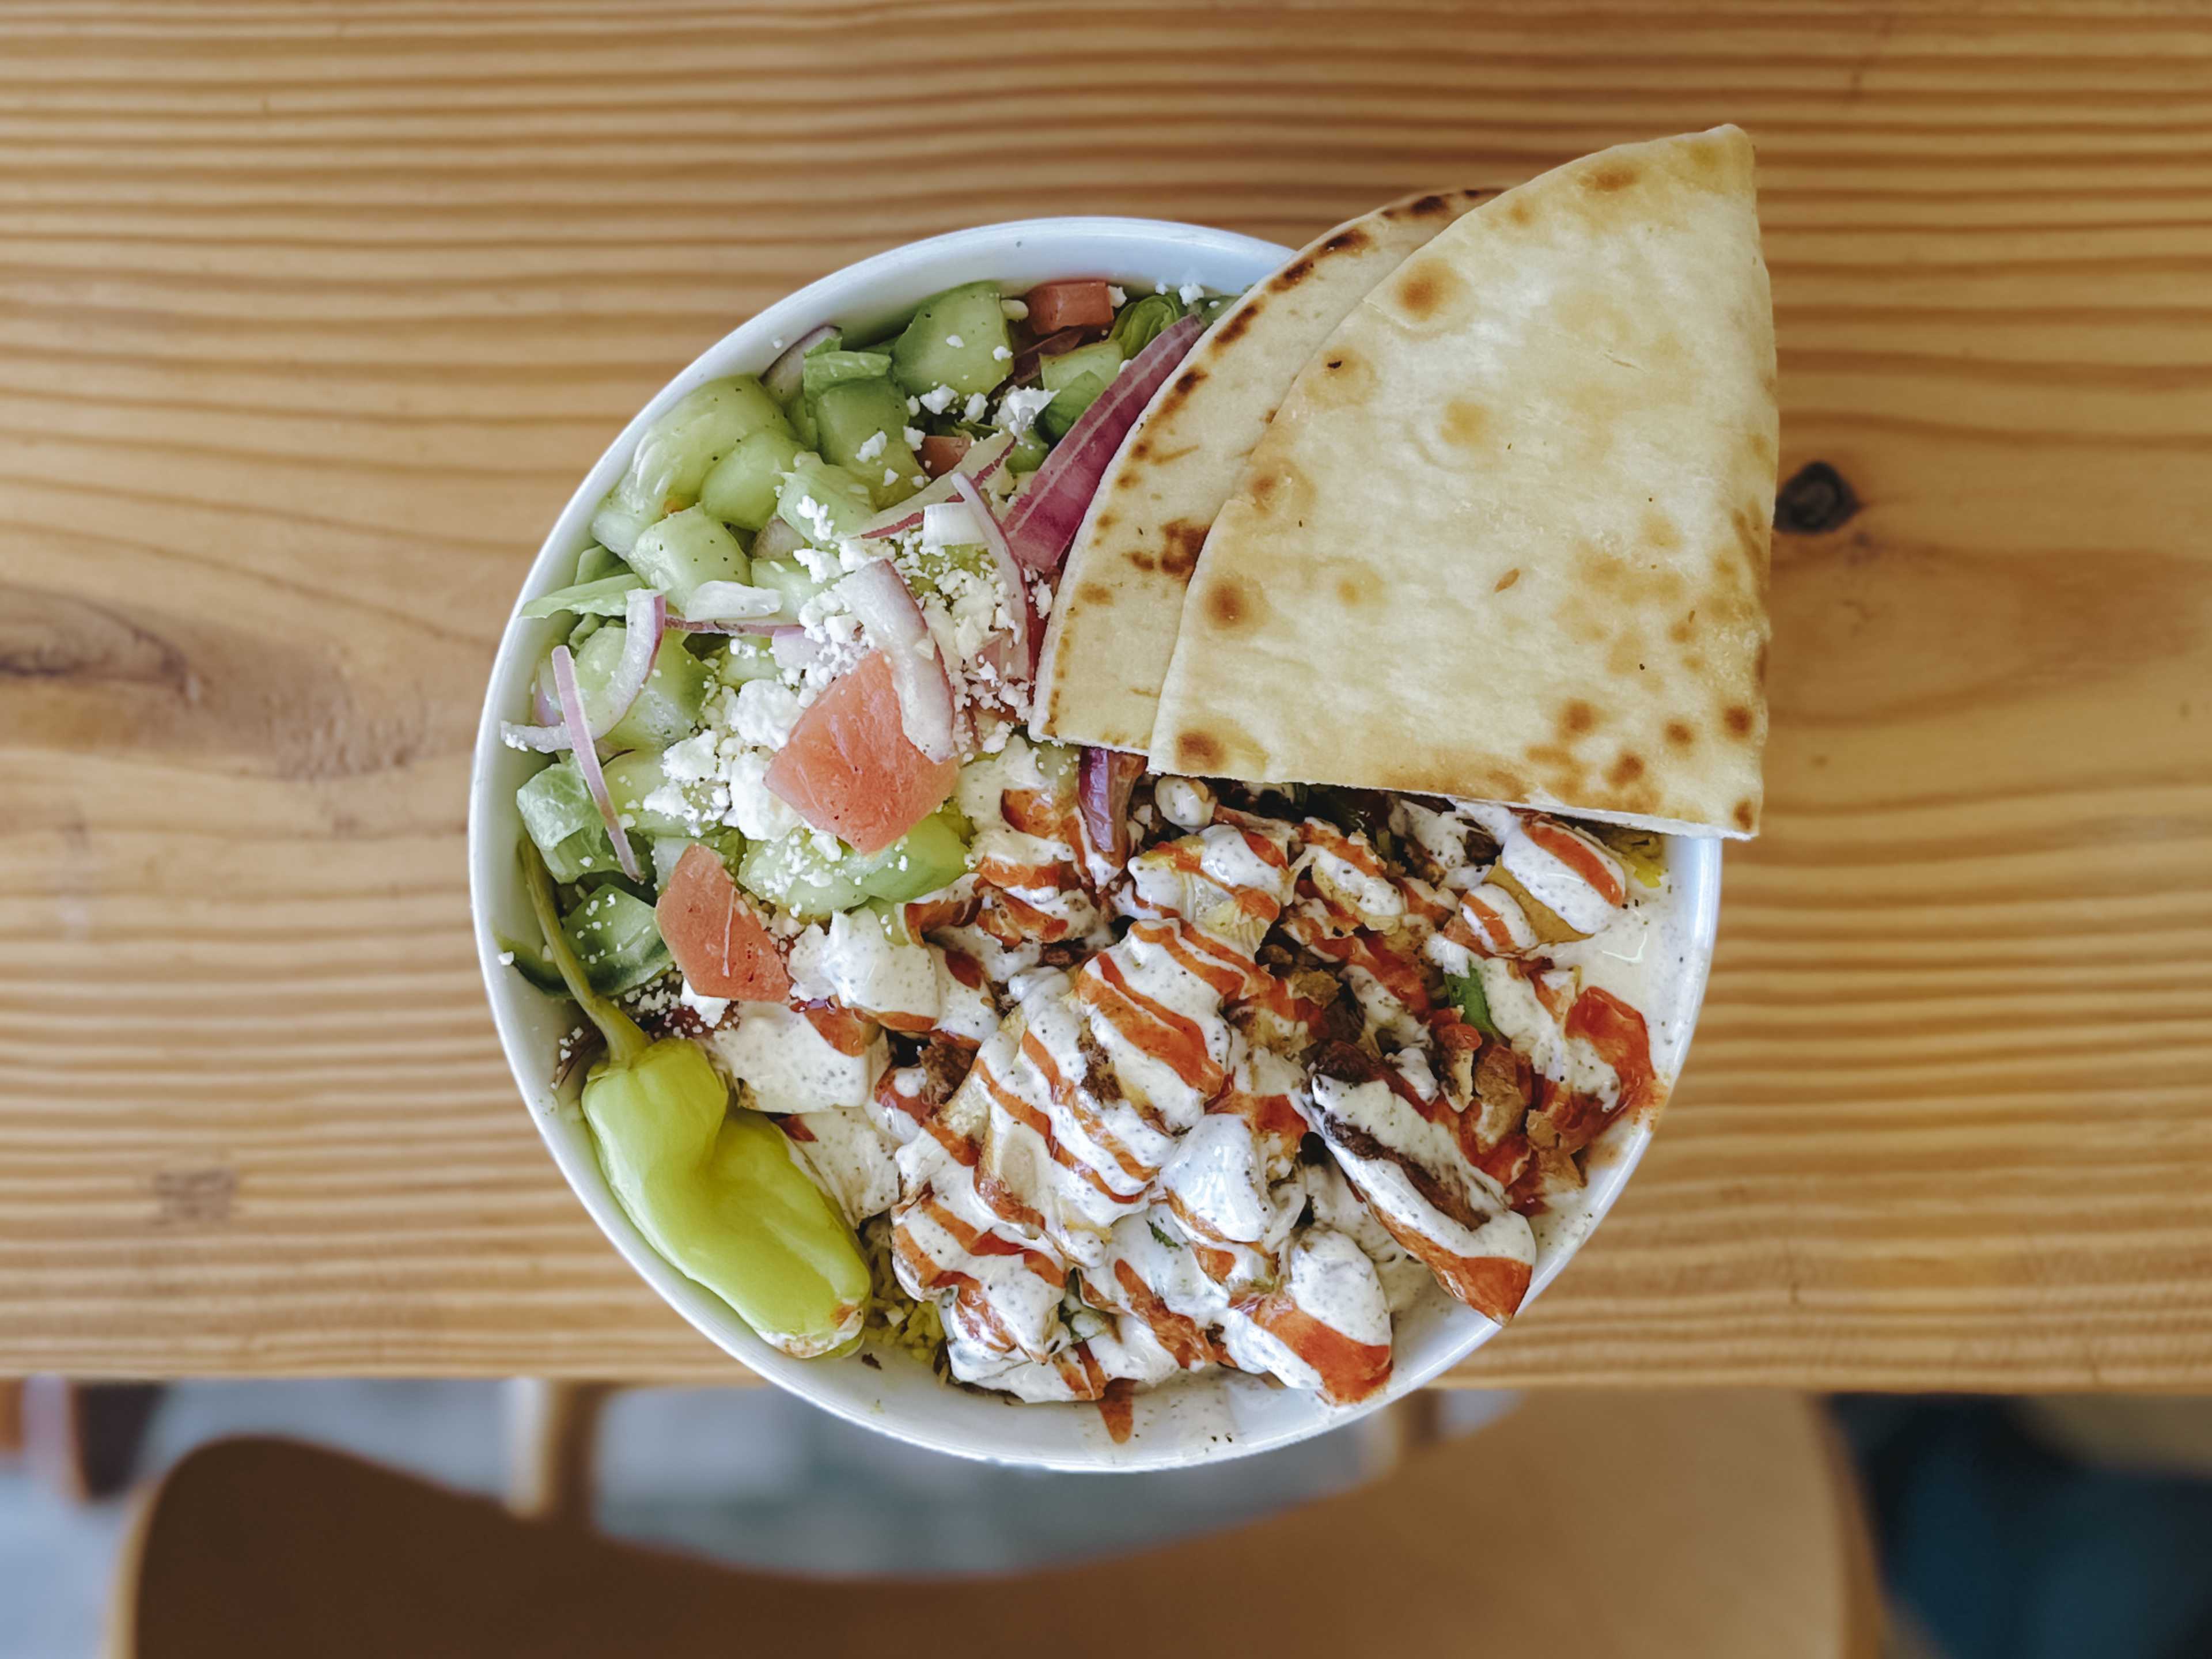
column 311, row 316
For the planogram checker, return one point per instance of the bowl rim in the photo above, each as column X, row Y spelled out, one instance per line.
column 1146, row 242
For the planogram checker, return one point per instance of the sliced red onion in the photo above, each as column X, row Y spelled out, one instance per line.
column 1010, row 574
column 1047, row 513
column 777, row 540
column 1027, row 362
column 1104, row 778
column 731, row 602
column 879, row 597
column 679, row 625
column 587, row 759
column 984, row 456
column 784, row 377
column 542, row 709
column 645, row 614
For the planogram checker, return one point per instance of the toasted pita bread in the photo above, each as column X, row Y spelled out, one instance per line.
column 1507, row 536
column 1121, row 598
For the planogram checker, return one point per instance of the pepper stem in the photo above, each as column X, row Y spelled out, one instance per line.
column 625, row 1041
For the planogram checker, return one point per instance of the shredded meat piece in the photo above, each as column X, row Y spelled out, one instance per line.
column 1098, row 1076
column 1567, row 1121
column 944, row 1067
column 1502, row 1079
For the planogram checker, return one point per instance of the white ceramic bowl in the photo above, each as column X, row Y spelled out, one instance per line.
column 1216, row 1417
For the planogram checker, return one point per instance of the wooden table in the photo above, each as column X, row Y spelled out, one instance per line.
column 310, row 318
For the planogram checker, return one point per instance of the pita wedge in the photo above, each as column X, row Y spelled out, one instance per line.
column 1121, row 598
column 1506, row 538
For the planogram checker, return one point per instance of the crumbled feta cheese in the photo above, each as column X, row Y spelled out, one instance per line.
column 690, row 761
column 814, row 518
column 939, row 398
column 913, row 406
column 1019, row 407
column 820, row 563
column 872, row 447
column 709, row 1009
column 1042, row 599
column 891, row 473
column 506, row 958
column 977, row 405
column 914, row 434
column 766, row 711
column 1015, row 309
column 1117, row 294
column 1191, row 292
column 955, row 341
column 755, row 810
column 1002, row 354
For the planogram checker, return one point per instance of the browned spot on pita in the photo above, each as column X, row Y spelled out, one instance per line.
column 1427, row 205
column 1746, row 815
column 1758, row 668
column 1507, row 580
column 1625, row 770
column 1626, row 655
column 1142, row 560
column 1188, row 381
column 1679, row 735
column 1141, row 449
column 1737, row 718
column 1102, row 523
column 1576, row 717
column 1167, row 455
column 1659, row 531
column 1519, row 212
column 1228, row 606
column 1683, row 631
column 1465, row 423
column 1563, row 773
column 1291, row 275
column 1199, row 751
column 1347, row 241
column 1095, row 593
column 1234, row 325
column 1344, row 377
column 1421, row 293
column 1612, row 176
column 1185, row 541
column 1352, row 589
column 1279, row 489
column 1694, row 661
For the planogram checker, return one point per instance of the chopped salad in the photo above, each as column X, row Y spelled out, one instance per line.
column 907, row 1025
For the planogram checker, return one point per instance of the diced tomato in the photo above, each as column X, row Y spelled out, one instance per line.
column 940, row 455
column 848, row 767
column 1069, row 305
column 715, row 935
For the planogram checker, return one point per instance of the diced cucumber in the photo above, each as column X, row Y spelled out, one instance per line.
column 834, row 340
column 630, row 779
column 741, row 489
column 530, row 959
column 666, row 709
column 931, row 856
column 679, row 449
column 686, row 549
column 824, row 502
column 748, row 656
column 793, row 871
column 926, row 355
column 1028, row 453
column 622, row 518
column 606, row 596
column 617, row 939
column 1103, row 359
column 822, row 369
column 1142, row 321
column 1067, row 408
column 861, row 427
column 726, row 845
column 558, row 811
column 596, row 564
column 789, row 578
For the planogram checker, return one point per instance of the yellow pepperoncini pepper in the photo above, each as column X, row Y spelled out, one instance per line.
column 713, row 1189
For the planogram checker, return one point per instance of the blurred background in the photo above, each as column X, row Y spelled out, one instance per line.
column 2002, row 1528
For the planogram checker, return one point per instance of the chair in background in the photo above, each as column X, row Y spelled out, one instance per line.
column 1657, row 1526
